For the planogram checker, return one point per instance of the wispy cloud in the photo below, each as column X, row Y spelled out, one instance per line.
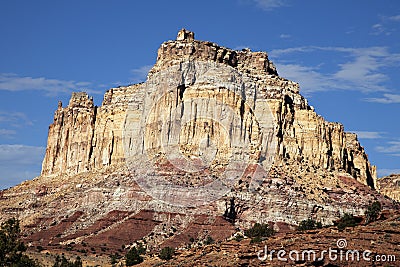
column 368, row 135
column 394, row 18
column 363, row 72
column 10, row 121
column 392, row 148
column 378, row 29
column 385, row 26
column 387, row 172
column 15, row 119
column 285, row 36
column 140, row 74
column 386, row 99
column 19, row 163
column 240, row 47
column 14, row 82
column 7, row 133
column 268, row 5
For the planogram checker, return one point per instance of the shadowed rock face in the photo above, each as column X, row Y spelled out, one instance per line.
column 163, row 158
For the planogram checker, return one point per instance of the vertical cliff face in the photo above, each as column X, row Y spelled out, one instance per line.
column 69, row 145
column 207, row 102
column 85, row 137
column 160, row 161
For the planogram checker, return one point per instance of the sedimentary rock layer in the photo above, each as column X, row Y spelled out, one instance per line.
column 203, row 79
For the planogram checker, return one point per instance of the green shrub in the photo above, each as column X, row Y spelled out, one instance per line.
column 238, row 238
column 309, row 224
column 167, row 253
column 259, row 232
column 133, row 257
column 348, row 220
column 373, row 212
column 209, row 240
column 256, row 239
column 63, row 262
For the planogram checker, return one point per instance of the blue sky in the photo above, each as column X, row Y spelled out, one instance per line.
column 344, row 54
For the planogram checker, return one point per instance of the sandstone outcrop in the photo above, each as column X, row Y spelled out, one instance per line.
column 164, row 158
column 84, row 137
column 390, row 186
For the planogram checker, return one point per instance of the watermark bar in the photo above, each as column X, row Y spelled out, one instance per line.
column 338, row 253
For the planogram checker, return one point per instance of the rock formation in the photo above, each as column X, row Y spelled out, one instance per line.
column 159, row 161
column 84, row 137
column 390, row 186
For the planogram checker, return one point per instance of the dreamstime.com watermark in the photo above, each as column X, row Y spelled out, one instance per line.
column 332, row 254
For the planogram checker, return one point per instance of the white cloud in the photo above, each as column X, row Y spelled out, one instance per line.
column 368, row 135
column 7, row 133
column 385, row 26
column 285, row 36
column 392, row 148
column 19, row 163
column 378, row 29
column 15, row 119
column 13, row 82
column 394, row 18
column 387, row 172
column 309, row 78
column 386, row 99
column 240, row 47
column 270, row 4
column 363, row 72
column 140, row 74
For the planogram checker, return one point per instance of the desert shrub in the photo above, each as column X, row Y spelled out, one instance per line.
column 209, row 240
column 167, row 253
column 63, row 262
column 256, row 239
column 373, row 212
column 133, row 257
column 348, row 220
column 239, row 238
column 309, row 224
column 259, row 232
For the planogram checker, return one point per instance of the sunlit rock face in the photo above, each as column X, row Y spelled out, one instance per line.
column 168, row 156
column 207, row 88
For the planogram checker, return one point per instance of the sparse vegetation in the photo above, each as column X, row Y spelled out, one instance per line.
column 259, row 232
column 63, row 262
column 11, row 248
column 239, row 238
column 114, row 258
column 133, row 256
column 348, row 220
column 373, row 212
column 167, row 253
column 309, row 224
column 209, row 240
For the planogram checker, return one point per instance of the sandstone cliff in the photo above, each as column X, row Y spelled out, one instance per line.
column 390, row 186
column 159, row 162
column 84, row 137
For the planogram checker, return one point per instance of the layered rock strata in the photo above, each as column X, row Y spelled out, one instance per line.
column 159, row 162
column 84, row 137
column 390, row 186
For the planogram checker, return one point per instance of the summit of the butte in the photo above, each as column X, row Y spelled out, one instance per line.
column 163, row 161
